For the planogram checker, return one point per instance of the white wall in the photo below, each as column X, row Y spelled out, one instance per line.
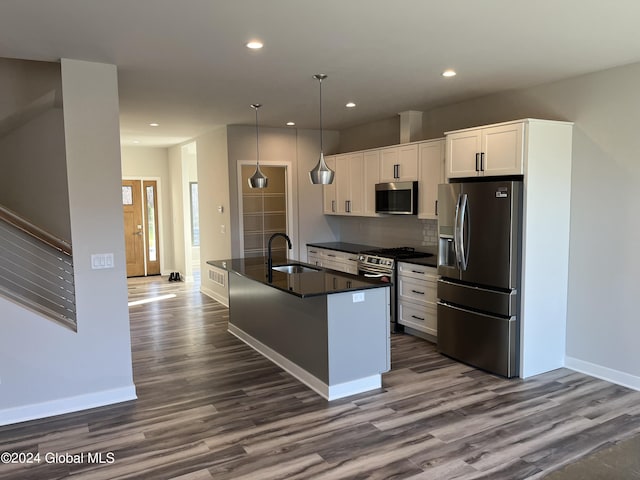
column 602, row 325
column 46, row 369
column 33, row 182
column 213, row 189
column 153, row 164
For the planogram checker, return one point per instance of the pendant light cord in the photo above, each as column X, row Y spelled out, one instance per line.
column 257, row 142
column 320, row 80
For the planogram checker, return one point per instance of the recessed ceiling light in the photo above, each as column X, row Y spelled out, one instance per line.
column 136, row 141
column 449, row 73
column 291, row 124
column 254, row 45
column 154, row 124
column 350, row 105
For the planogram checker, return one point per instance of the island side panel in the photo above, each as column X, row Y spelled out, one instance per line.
column 359, row 337
column 294, row 327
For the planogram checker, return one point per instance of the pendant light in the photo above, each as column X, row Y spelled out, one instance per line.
column 258, row 179
column 321, row 173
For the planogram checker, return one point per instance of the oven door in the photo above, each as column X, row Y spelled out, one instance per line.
column 372, row 271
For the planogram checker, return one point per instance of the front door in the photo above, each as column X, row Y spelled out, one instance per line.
column 133, row 227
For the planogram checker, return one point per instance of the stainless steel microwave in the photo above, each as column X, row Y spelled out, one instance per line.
column 397, row 198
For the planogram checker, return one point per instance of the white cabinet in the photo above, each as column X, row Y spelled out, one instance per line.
column 330, row 205
column 487, row 151
column 371, row 177
column 345, row 196
column 399, row 163
column 349, row 180
column 333, row 259
column 430, row 174
column 313, row 256
column 417, row 302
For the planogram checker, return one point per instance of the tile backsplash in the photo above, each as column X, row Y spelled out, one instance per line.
column 391, row 231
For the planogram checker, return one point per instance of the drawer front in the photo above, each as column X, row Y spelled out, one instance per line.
column 421, row 317
column 417, row 271
column 422, row 291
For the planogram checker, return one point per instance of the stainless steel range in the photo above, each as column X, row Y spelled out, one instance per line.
column 381, row 263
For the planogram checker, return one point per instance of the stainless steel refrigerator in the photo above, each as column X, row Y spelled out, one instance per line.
column 479, row 228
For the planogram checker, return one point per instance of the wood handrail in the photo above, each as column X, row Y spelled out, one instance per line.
column 29, row 228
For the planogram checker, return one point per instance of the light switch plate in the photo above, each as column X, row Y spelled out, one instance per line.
column 101, row 260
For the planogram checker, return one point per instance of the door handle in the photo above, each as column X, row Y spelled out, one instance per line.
column 482, row 161
column 477, row 162
column 137, row 233
column 464, row 220
column 396, row 170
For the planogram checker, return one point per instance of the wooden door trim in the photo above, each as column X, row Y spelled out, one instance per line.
column 159, row 194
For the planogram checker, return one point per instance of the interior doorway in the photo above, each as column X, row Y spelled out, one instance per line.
column 265, row 211
column 141, row 233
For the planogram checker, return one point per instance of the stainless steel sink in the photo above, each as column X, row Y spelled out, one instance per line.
column 295, row 268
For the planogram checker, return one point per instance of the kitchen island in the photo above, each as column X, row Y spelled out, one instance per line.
column 326, row 328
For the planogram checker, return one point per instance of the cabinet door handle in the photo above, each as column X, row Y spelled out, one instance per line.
column 396, row 170
column 436, row 208
column 313, row 251
column 330, row 255
column 417, row 318
column 347, row 206
column 477, row 162
column 416, row 291
column 418, row 271
column 482, row 161
column 333, row 206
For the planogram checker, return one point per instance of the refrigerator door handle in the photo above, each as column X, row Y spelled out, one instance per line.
column 464, row 221
column 456, row 233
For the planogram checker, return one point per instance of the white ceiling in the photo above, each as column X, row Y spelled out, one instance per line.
column 184, row 64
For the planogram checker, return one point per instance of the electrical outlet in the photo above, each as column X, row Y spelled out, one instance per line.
column 223, row 229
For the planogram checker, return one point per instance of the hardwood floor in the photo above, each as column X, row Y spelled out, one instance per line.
column 209, row 407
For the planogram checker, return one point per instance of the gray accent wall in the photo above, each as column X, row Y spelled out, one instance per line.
column 602, row 325
column 301, row 148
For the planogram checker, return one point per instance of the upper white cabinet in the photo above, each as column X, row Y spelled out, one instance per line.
column 353, row 191
column 349, row 181
column 329, row 201
column 371, row 177
column 486, row 151
column 399, row 163
column 430, row 174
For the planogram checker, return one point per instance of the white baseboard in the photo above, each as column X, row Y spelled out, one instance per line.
column 217, row 297
column 604, row 373
column 329, row 392
column 66, row 405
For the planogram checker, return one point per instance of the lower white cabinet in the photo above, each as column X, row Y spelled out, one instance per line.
column 333, row 259
column 417, row 297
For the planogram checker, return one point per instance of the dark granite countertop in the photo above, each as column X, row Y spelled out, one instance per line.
column 343, row 246
column 426, row 261
column 357, row 248
column 307, row 284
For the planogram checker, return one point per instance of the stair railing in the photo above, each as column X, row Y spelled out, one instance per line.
column 36, row 269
